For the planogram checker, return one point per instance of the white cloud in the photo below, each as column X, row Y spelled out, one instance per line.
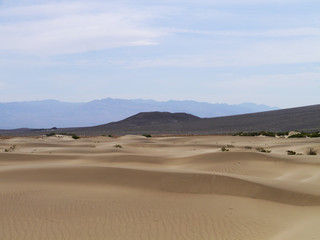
column 236, row 2
column 287, row 32
column 75, row 28
column 44, row 10
column 261, row 53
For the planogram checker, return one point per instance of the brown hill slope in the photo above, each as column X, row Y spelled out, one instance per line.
column 301, row 118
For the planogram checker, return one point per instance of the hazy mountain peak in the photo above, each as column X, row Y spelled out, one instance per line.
column 53, row 113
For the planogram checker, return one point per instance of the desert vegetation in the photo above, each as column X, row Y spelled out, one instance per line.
column 280, row 134
column 10, row 149
column 74, row 136
column 290, row 152
column 147, row 135
column 261, row 149
column 311, row 151
column 305, row 134
column 50, row 134
column 262, row 133
column 247, row 147
column 224, row 149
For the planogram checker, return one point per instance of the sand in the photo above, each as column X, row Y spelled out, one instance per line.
column 159, row 188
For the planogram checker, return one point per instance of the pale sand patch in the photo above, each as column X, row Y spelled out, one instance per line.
column 159, row 188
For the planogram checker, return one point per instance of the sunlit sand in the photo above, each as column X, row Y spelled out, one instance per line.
column 133, row 187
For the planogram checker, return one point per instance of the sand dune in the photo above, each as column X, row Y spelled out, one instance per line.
column 159, row 188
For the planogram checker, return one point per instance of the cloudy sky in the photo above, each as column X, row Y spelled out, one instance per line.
column 218, row 51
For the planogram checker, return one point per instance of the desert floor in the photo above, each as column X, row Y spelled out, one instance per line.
column 159, row 188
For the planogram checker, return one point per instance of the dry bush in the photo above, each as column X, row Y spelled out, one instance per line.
column 261, row 149
column 290, row 152
column 10, row 149
column 224, row 149
column 311, row 151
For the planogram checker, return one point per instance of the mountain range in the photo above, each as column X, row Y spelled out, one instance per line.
column 300, row 119
column 53, row 113
column 161, row 123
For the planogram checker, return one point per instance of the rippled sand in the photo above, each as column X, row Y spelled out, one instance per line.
column 159, row 188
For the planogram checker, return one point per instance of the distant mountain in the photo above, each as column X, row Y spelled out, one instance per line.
column 52, row 113
column 156, row 118
column 300, row 119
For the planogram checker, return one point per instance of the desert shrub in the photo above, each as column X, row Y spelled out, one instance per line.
column 250, row 134
column 268, row 134
column 314, row 135
column 304, row 134
column 147, row 135
column 253, row 134
column 74, row 136
column 224, row 149
column 10, row 149
column 261, row 149
column 117, row 146
column 298, row 135
column 50, row 134
column 282, row 134
column 230, row 146
column 246, row 134
column 289, row 152
column 311, row 151
column 247, row 147
column 274, row 134
column 110, row 135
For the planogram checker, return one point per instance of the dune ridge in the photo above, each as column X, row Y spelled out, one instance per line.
column 170, row 181
column 158, row 188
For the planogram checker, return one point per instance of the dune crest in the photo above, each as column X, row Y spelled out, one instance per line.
column 159, row 188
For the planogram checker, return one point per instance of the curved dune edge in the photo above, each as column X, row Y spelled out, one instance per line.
column 171, row 181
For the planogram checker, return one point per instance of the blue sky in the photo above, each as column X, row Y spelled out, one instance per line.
column 218, row 51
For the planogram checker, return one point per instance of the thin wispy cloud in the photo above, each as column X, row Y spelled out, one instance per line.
column 263, row 53
column 270, row 33
column 234, row 2
column 77, row 28
column 112, row 48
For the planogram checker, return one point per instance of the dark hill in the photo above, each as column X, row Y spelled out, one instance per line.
column 155, row 122
column 154, row 118
column 300, row 119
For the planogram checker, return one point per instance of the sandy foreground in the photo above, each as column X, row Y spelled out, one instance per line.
column 159, row 188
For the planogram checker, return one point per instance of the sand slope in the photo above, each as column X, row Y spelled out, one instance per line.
column 159, row 188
